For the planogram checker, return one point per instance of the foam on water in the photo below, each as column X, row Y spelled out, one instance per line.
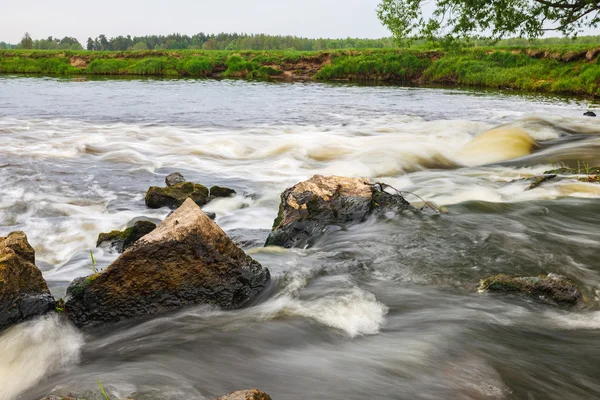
column 31, row 351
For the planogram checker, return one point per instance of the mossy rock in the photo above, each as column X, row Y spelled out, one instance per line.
column 121, row 240
column 590, row 179
column 552, row 288
column 220, row 191
column 175, row 195
column 538, row 180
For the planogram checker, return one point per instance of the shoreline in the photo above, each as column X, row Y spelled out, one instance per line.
column 566, row 72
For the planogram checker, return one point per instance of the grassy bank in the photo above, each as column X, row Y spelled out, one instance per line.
column 567, row 70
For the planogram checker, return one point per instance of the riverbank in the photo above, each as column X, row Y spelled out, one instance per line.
column 566, row 71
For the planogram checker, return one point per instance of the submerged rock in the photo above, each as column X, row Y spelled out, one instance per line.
column 24, row 293
column 173, row 179
column 220, row 191
column 122, row 240
column 174, row 196
column 253, row 394
column 186, row 260
column 551, row 288
column 589, row 114
column 309, row 208
column 538, row 180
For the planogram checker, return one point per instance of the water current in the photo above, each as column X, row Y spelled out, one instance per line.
column 383, row 310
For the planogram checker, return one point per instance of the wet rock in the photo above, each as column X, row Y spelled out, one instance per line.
column 122, row 240
column 538, row 180
column 186, row 260
column 310, row 208
column 589, row 114
column 220, row 191
column 174, row 196
column 253, row 394
column 173, row 179
column 553, row 289
column 210, row 215
column 24, row 293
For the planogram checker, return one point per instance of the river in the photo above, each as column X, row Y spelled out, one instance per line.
column 383, row 310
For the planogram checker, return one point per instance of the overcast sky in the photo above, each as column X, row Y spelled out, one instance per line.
column 82, row 19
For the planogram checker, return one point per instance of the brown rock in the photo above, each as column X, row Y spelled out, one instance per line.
column 186, row 260
column 309, row 208
column 24, row 293
column 253, row 394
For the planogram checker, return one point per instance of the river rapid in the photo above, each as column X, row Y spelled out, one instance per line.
column 383, row 310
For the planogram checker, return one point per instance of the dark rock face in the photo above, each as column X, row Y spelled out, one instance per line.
column 552, row 289
column 589, row 114
column 220, row 191
column 253, row 394
column 186, row 260
column 309, row 208
column 24, row 293
column 174, row 196
column 122, row 240
column 173, row 179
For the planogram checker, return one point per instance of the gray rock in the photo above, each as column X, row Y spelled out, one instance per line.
column 173, row 179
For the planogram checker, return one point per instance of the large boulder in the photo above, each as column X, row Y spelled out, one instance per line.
column 186, row 260
column 253, row 394
column 174, row 196
column 309, row 208
column 24, row 293
column 552, row 288
column 122, row 240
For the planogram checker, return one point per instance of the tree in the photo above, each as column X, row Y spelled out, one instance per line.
column 489, row 19
column 90, row 44
column 26, row 42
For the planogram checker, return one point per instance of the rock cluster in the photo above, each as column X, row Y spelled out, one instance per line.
column 122, row 240
column 186, row 260
column 178, row 190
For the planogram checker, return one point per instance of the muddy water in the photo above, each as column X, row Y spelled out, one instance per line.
column 384, row 310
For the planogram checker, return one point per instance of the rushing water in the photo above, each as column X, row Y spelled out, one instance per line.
column 384, row 310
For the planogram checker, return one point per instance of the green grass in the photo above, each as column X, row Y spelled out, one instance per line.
column 559, row 68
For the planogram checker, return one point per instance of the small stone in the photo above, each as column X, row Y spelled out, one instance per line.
column 174, row 178
column 589, row 114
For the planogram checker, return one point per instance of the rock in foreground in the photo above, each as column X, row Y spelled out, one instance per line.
column 122, row 240
column 309, row 208
column 553, row 289
column 253, row 394
column 24, row 293
column 187, row 260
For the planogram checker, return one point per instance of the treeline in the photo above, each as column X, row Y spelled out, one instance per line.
column 231, row 41
column 235, row 41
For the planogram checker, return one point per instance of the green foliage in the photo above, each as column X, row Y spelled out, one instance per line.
column 109, row 66
column 102, row 390
column 375, row 66
column 198, row 66
column 93, row 266
column 453, row 21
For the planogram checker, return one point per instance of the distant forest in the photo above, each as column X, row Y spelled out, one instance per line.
column 235, row 41
column 221, row 41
